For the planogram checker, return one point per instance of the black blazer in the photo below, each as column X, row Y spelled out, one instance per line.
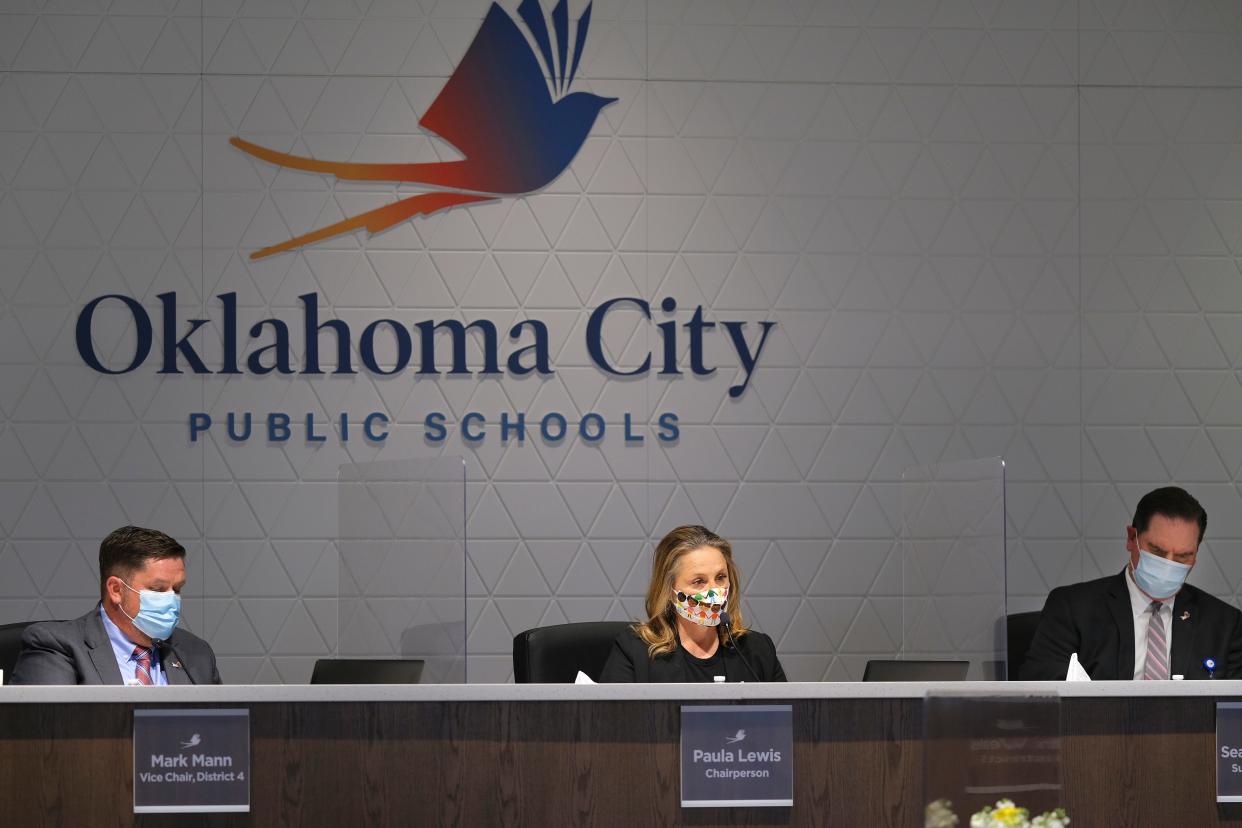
column 79, row 652
column 628, row 661
column 1094, row 619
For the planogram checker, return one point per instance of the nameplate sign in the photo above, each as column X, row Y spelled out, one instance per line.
column 735, row 756
column 191, row 761
column 1229, row 751
column 981, row 748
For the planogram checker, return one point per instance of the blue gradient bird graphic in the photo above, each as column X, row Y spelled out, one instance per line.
column 516, row 130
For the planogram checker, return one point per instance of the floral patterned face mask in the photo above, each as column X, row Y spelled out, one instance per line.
column 701, row 607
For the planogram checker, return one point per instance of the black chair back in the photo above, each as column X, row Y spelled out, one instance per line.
column 554, row 655
column 11, row 645
column 367, row 671
column 1019, row 633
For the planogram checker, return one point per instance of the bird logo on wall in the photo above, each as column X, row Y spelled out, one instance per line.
column 515, row 130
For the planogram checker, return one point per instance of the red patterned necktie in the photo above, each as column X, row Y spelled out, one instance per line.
column 1156, row 667
column 143, row 673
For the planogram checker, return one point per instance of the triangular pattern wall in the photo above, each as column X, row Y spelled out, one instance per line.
column 983, row 228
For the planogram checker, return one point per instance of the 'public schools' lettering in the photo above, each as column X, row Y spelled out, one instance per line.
column 387, row 346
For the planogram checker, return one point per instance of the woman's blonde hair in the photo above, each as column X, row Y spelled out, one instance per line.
column 659, row 631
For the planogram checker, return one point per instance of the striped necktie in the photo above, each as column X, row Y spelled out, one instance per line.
column 143, row 673
column 1156, row 665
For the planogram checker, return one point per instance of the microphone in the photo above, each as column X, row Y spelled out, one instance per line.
column 727, row 623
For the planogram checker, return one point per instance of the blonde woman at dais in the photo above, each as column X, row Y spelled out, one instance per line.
column 694, row 629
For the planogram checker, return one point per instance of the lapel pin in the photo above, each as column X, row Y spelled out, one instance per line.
column 177, row 664
column 1185, row 615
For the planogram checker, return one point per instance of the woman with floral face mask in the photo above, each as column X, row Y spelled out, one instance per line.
column 694, row 629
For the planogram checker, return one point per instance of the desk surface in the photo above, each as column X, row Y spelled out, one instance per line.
column 604, row 692
column 1133, row 753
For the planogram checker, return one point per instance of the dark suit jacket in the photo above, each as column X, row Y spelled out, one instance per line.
column 628, row 661
column 1094, row 619
column 78, row 652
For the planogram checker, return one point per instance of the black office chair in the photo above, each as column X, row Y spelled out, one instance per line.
column 554, row 655
column 367, row 671
column 11, row 645
column 1019, row 633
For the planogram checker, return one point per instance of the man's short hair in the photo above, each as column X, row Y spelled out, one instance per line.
column 129, row 548
column 1171, row 502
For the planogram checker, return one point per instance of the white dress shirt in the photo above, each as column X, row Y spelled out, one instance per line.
column 1139, row 604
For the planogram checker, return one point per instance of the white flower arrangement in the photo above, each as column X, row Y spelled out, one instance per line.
column 939, row 814
column 1005, row 814
column 1008, row 815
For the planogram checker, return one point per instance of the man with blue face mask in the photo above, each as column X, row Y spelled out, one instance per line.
column 1145, row 623
column 131, row 637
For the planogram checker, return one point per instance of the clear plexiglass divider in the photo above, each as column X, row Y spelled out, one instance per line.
column 402, row 551
column 997, row 751
column 953, row 565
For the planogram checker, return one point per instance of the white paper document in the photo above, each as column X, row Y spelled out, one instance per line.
column 1075, row 671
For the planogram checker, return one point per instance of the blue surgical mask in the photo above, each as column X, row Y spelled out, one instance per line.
column 1159, row 577
column 158, row 612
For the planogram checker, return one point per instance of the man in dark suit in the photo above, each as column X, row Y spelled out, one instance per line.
column 1144, row 622
column 131, row 636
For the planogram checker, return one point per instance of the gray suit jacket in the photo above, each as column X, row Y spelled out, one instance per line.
column 78, row 652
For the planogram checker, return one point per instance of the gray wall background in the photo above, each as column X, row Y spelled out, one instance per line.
column 983, row 228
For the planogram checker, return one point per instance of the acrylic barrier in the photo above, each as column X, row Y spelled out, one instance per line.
column 402, row 547
column 953, row 565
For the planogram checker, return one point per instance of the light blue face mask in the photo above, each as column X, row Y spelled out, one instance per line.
column 1159, row 577
column 158, row 612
